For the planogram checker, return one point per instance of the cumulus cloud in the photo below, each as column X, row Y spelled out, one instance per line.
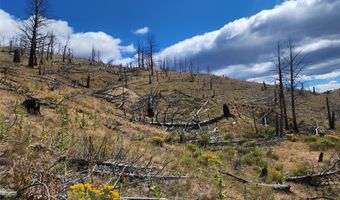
column 332, row 85
column 142, row 31
column 245, row 47
column 111, row 49
column 8, row 26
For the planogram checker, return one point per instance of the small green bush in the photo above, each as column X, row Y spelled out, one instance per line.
column 191, row 147
column 292, row 137
column 208, row 158
column 274, row 176
column 271, row 154
column 325, row 143
column 158, row 141
column 204, row 140
column 254, row 156
column 310, row 138
column 303, row 169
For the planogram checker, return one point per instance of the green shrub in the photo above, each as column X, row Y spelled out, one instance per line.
column 303, row 169
column 310, row 138
column 192, row 147
column 274, row 176
column 253, row 157
column 325, row 143
column 158, row 141
column 230, row 153
column 228, row 136
column 292, row 137
column 208, row 158
column 203, row 140
column 271, row 154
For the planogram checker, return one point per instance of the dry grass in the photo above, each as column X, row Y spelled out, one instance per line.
column 104, row 119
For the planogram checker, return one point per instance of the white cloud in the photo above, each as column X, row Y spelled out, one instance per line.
column 142, row 31
column 8, row 26
column 111, row 49
column 245, row 47
column 332, row 85
column 326, row 76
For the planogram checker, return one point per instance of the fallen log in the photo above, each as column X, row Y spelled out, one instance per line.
column 194, row 124
column 279, row 187
column 313, row 179
column 8, row 194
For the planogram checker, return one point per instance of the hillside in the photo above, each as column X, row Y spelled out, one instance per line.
column 173, row 138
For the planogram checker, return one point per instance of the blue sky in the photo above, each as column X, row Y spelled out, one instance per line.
column 170, row 21
column 236, row 38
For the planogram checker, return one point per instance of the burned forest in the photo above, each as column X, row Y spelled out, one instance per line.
column 159, row 127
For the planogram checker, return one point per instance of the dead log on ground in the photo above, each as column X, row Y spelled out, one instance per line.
column 196, row 124
column 329, row 176
column 8, row 194
column 279, row 187
column 314, row 179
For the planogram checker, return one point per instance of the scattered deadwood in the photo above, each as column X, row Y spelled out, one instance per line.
column 314, row 179
column 15, row 194
column 196, row 124
column 246, row 142
column 8, row 194
column 330, row 176
column 279, row 187
column 193, row 124
column 126, row 169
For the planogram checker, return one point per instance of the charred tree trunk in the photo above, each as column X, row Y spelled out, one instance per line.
column 255, row 124
column 16, row 58
column 88, row 81
column 320, row 157
column 331, row 116
column 293, row 75
column 283, row 109
column 33, row 57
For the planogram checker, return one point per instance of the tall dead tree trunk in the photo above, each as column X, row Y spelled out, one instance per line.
column 37, row 13
column 152, row 49
column 65, row 49
column 331, row 115
column 283, row 109
column 295, row 69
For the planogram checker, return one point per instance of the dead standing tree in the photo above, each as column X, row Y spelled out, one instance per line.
column 50, row 47
column 152, row 45
column 32, row 27
column 296, row 65
column 331, row 115
column 282, row 101
column 65, row 49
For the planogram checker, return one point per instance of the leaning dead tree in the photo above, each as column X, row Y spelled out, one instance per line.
column 31, row 28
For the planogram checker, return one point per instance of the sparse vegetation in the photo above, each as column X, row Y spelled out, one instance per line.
column 157, row 130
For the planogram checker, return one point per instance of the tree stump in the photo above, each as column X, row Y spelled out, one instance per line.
column 264, row 172
column 16, row 57
column 226, row 111
column 32, row 106
column 88, row 81
column 320, row 157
